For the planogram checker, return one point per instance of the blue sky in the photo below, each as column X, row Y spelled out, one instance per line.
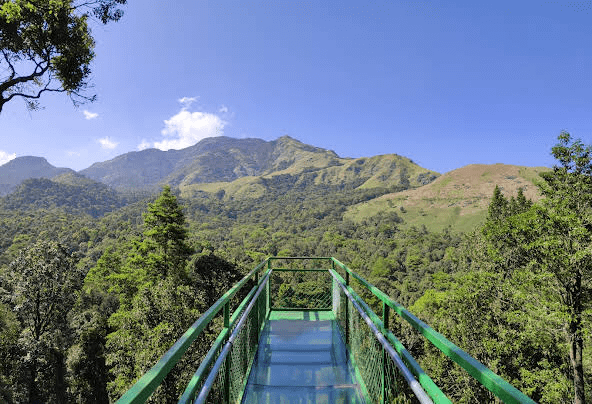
column 445, row 83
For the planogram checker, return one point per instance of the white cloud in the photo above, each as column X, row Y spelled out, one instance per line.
column 187, row 128
column 89, row 115
column 223, row 109
column 107, row 143
column 74, row 154
column 187, row 101
column 144, row 145
column 5, row 157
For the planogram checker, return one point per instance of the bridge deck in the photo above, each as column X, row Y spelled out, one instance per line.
column 302, row 359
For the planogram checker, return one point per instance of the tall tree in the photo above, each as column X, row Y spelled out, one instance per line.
column 41, row 286
column 165, row 236
column 161, row 305
column 564, row 245
column 46, row 46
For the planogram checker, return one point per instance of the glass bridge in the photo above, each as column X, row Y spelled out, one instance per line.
column 296, row 331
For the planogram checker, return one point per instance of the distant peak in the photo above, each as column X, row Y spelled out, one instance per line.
column 286, row 139
column 28, row 161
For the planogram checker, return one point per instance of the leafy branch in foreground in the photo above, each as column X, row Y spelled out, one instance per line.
column 47, row 46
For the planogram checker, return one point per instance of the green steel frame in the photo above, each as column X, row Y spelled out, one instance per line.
column 303, row 289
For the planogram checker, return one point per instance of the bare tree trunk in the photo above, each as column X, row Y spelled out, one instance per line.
column 575, row 355
column 576, row 341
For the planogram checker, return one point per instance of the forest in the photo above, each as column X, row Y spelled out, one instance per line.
column 95, row 288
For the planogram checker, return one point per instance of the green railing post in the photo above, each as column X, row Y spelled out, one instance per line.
column 227, row 370
column 385, row 321
column 347, row 312
column 268, row 290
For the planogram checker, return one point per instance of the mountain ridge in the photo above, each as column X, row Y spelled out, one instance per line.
column 22, row 168
column 224, row 160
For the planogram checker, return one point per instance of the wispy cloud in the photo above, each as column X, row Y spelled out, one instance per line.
column 5, row 157
column 187, row 101
column 144, row 145
column 223, row 109
column 89, row 115
column 73, row 153
column 107, row 143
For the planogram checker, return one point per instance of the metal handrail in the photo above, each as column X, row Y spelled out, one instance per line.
column 203, row 394
column 485, row 376
column 413, row 384
column 191, row 388
column 144, row 387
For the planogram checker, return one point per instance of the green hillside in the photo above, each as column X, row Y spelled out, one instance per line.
column 71, row 192
column 386, row 171
column 458, row 198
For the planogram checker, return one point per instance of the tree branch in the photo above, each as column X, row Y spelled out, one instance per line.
column 13, row 72
column 23, row 79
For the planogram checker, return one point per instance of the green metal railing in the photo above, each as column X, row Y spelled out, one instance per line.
column 385, row 369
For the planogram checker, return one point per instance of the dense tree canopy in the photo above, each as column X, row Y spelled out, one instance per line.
column 515, row 293
column 520, row 296
column 47, row 46
column 40, row 286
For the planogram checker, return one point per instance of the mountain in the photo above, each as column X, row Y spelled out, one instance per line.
column 385, row 171
column 458, row 198
column 21, row 168
column 223, row 160
column 210, row 160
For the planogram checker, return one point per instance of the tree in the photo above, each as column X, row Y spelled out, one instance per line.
column 211, row 277
column 165, row 247
column 41, row 286
column 498, row 206
column 534, row 264
column 564, row 246
column 158, row 301
column 86, row 362
column 47, row 46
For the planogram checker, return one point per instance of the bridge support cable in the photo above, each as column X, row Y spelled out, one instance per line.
column 209, row 382
column 409, row 378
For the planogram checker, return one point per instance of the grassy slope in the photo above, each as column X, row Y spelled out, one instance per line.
column 458, row 198
column 377, row 171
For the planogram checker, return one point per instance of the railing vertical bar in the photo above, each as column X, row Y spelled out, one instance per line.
column 268, row 290
column 385, row 321
column 347, row 303
column 228, row 359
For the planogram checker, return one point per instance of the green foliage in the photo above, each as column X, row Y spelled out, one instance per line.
column 157, row 318
column 521, row 287
column 47, row 46
column 40, row 287
column 499, row 294
column 93, row 199
column 164, row 243
column 210, row 277
column 9, row 332
column 86, row 360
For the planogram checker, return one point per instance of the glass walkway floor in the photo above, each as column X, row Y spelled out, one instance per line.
column 302, row 359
